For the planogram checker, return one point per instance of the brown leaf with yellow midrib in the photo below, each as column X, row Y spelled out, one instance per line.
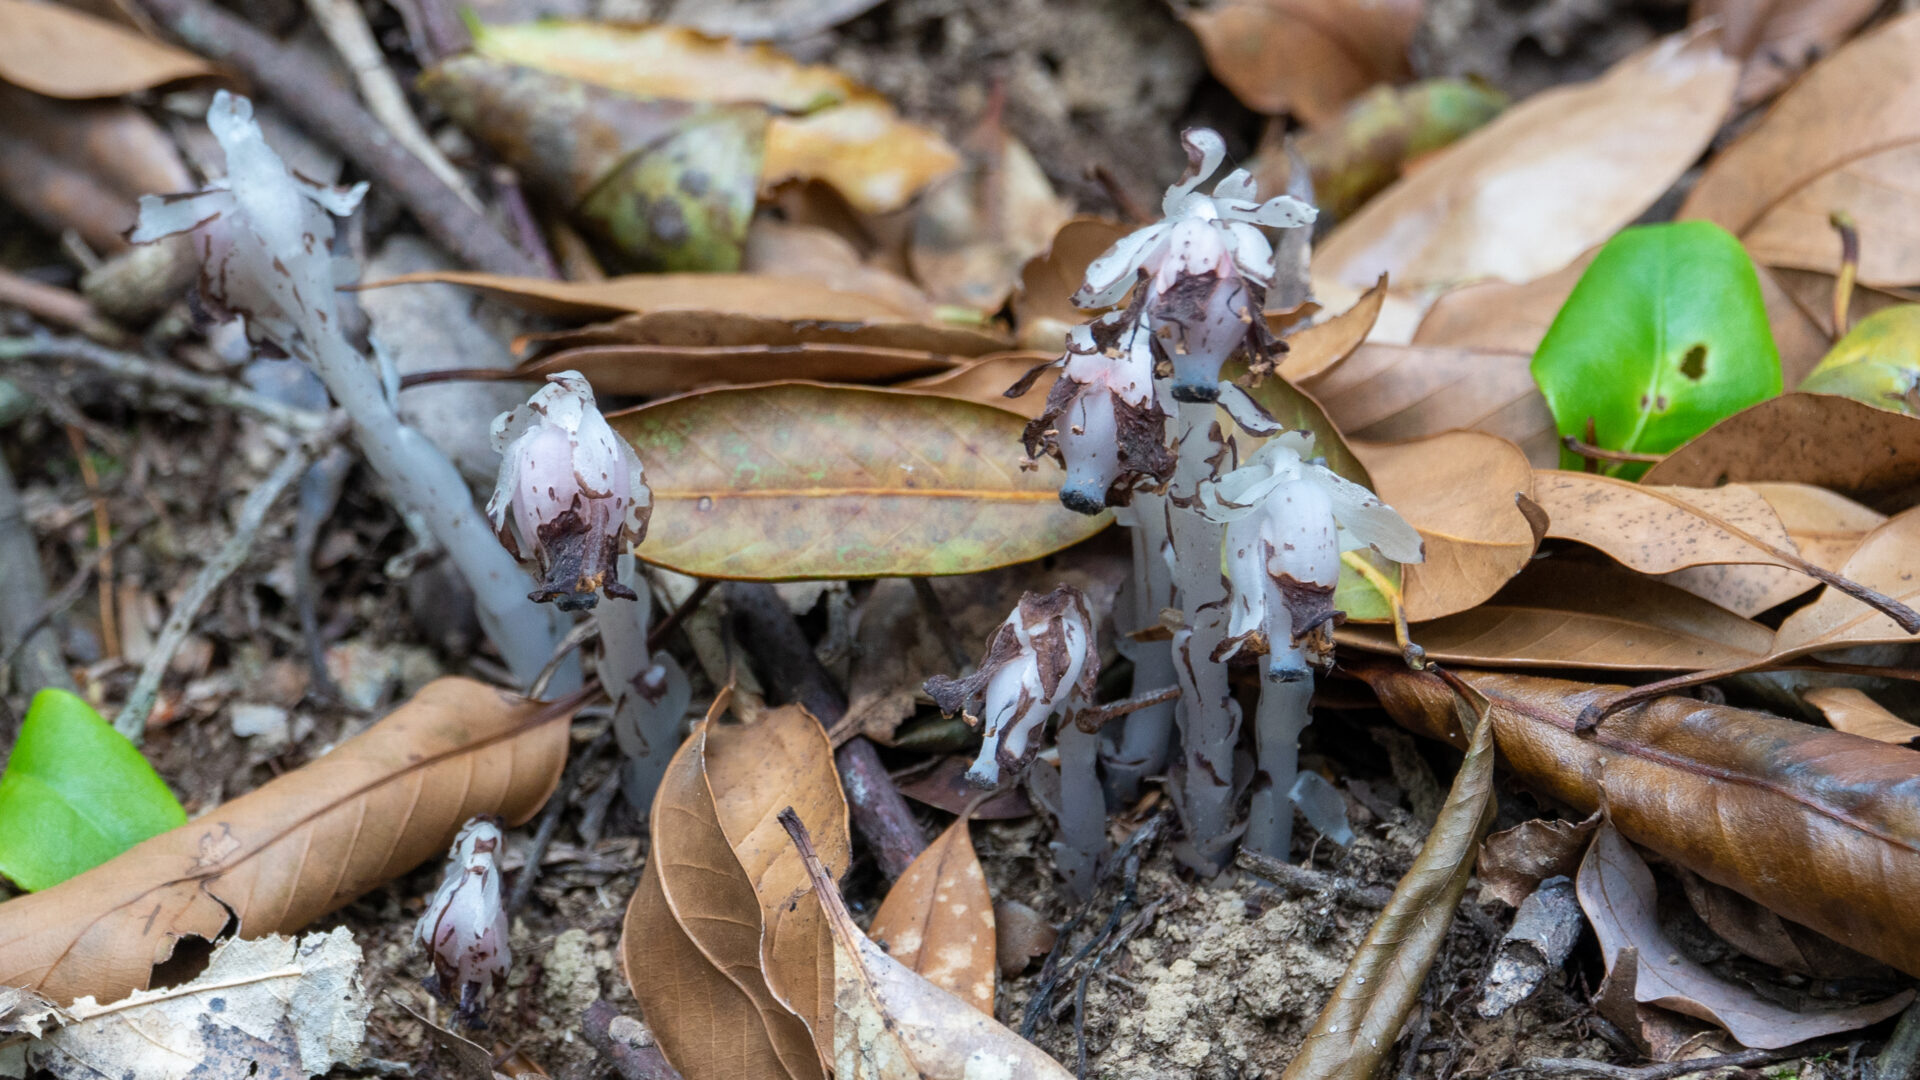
column 1820, row 826
column 791, row 481
column 294, row 849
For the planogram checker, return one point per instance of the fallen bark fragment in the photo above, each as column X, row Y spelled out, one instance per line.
column 1543, row 933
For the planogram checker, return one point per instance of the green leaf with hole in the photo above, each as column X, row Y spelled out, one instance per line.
column 75, row 794
column 1664, row 336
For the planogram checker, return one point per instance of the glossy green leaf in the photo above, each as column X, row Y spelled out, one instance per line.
column 75, row 794
column 797, row 481
column 1665, row 335
column 1296, row 409
column 1878, row 362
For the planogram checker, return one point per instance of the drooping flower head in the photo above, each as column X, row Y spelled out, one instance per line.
column 1105, row 418
column 1288, row 519
column 570, row 490
column 464, row 929
column 1035, row 661
column 1207, row 266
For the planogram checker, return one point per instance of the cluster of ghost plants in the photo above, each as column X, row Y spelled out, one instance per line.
column 1248, row 552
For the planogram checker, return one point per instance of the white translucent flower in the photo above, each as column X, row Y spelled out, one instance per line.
column 464, row 928
column 1035, row 662
column 1105, row 418
column 263, row 234
column 1288, row 519
column 570, row 490
column 1207, row 264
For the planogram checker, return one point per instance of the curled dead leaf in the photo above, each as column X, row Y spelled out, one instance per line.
column 938, row 919
column 1515, row 861
column 295, row 848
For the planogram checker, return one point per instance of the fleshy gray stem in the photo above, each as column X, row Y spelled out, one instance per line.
column 1082, row 828
column 1140, row 749
column 649, row 692
column 1209, row 720
column 1283, row 713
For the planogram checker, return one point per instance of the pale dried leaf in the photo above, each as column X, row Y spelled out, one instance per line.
column 54, row 50
column 1852, row 711
column 938, row 919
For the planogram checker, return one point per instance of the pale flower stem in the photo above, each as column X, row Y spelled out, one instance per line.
column 1282, row 715
column 1082, row 840
column 1206, row 712
column 646, row 714
column 1140, row 750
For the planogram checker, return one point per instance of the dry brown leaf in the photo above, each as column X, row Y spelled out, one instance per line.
column 1837, row 443
column 732, row 979
column 54, row 50
column 985, row 380
column 1307, row 57
column 797, row 249
column 1515, row 861
column 1829, row 145
column 1546, row 180
column 1316, row 348
column 1021, row 936
column 976, row 229
column 1778, row 38
column 1396, row 392
column 1811, row 292
column 1459, row 490
column 938, row 919
column 1771, row 939
column 1885, row 561
column 1825, row 528
column 295, row 848
column 1817, row 825
column 1617, row 893
column 657, row 370
column 1043, row 310
column 892, row 1024
column 945, row 787
column 1502, row 316
column 1712, row 542
column 1853, row 712
column 1563, row 613
column 720, row 329
column 767, row 296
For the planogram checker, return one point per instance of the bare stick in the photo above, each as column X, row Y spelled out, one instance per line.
column 57, row 305
column 1305, row 879
column 789, row 667
column 157, row 376
column 1670, row 1070
column 626, row 1044
column 1594, row 453
column 132, row 719
column 1091, row 720
column 1842, row 223
column 304, row 88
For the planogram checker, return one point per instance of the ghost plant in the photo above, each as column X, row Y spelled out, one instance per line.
column 464, row 928
column 264, row 236
column 1147, row 377
column 571, row 493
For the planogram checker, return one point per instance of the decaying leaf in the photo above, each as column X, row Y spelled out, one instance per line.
column 1878, row 362
column 1391, row 393
column 1825, row 528
column 986, row 379
column 295, row 848
column 826, row 255
column 1777, row 38
column 799, row 480
column 938, row 919
column 55, row 50
column 1562, row 612
column 732, row 979
column 1617, row 893
column 1316, row 348
column 1817, row 825
column 1884, row 561
column 765, row 296
column 1383, row 132
column 1307, row 57
column 825, row 125
column 23, row 1012
column 1546, row 180
column 719, row 328
column 890, row 1023
column 1022, row 936
column 271, row 1006
column 976, row 229
column 1515, row 861
column 1853, row 712
column 658, row 370
column 1828, row 146
column 1042, row 305
column 1357, row 1029
column 1460, row 490
column 1696, row 537
column 1837, row 443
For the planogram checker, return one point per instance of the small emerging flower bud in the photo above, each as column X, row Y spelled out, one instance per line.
column 1288, row 519
column 570, row 490
column 465, row 927
column 1105, row 421
column 1207, row 266
column 1034, row 663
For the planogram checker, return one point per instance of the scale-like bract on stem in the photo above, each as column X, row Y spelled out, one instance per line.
column 1035, row 662
column 570, row 490
column 464, row 929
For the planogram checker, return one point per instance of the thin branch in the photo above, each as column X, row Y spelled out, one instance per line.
column 1594, row 453
column 550, row 817
column 159, row 376
column 56, row 305
column 1305, row 879
column 1843, row 224
column 132, row 719
column 1670, row 1070
column 657, row 636
column 1091, row 720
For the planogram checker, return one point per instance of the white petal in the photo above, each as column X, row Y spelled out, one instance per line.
column 1205, row 151
column 1237, row 186
column 1112, row 274
column 337, row 201
column 168, row 215
column 1252, row 417
column 1252, row 254
column 1365, row 521
column 1284, row 212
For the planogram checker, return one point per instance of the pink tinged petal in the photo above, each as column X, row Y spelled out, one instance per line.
column 1110, row 276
